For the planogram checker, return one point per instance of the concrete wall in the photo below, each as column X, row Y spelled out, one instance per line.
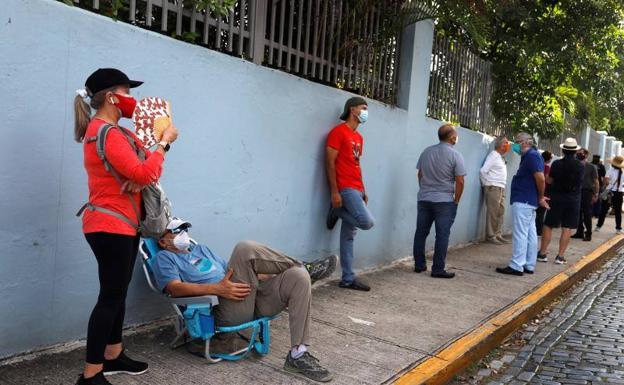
column 248, row 164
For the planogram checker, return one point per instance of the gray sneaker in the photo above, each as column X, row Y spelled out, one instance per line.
column 321, row 268
column 308, row 366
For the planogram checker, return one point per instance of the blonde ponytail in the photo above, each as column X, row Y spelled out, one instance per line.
column 82, row 117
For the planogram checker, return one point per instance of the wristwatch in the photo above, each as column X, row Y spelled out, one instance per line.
column 166, row 146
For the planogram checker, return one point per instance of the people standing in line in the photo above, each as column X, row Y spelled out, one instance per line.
column 602, row 172
column 348, row 196
column 527, row 194
column 589, row 196
column 441, row 174
column 541, row 211
column 114, row 240
column 615, row 186
column 493, row 176
column 566, row 177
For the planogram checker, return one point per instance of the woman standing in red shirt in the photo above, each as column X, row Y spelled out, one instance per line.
column 114, row 241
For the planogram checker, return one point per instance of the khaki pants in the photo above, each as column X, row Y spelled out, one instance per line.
column 495, row 206
column 289, row 288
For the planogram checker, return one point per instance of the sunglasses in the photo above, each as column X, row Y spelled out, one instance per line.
column 179, row 230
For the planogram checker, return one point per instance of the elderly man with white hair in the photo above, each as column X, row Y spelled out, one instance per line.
column 527, row 194
column 493, row 175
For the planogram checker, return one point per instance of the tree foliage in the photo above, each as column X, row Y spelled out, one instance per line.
column 551, row 58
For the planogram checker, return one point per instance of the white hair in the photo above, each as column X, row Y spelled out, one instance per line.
column 524, row 137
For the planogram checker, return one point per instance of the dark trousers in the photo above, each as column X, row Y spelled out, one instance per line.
column 585, row 219
column 616, row 203
column 115, row 254
column 443, row 214
column 540, row 213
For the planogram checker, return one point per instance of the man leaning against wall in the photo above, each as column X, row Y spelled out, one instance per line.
column 493, row 175
column 349, row 201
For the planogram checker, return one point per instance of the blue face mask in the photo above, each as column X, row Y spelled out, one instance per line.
column 363, row 117
column 516, row 148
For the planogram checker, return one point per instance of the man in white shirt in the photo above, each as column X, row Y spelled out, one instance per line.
column 493, row 175
column 614, row 180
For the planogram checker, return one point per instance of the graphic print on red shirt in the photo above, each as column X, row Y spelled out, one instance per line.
column 349, row 145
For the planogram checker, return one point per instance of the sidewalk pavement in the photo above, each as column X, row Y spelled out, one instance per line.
column 363, row 338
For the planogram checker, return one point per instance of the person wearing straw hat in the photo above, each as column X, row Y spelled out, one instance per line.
column 566, row 178
column 615, row 188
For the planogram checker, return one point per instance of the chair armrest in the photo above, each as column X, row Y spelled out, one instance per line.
column 204, row 299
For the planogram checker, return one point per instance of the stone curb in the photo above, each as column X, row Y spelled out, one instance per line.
column 476, row 343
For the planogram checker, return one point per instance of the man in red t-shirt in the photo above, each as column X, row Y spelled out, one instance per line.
column 348, row 197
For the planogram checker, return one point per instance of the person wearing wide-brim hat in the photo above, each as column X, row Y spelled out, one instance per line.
column 614, row 183
column 111, row 219
column 566, row 178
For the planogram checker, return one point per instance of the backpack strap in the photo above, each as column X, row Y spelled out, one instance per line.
column 109, row 212
column 100, row 142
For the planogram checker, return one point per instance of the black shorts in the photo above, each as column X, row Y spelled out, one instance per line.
column 563, row 213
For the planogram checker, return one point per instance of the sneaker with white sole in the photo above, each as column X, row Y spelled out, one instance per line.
column 542, row 257
column 597, row 229
column 308, row 366
column 559, row 260
column 98, row 379
column 124, row 364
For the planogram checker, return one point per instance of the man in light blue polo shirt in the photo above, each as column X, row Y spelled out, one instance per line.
column 527, row 194
column 441, row 174
column 257, row 281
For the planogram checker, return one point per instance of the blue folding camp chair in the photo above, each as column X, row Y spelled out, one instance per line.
column 194, row 318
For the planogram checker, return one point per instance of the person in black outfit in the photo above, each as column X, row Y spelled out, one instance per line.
column 541, row 211
column 602, row 172
column 589, row 195
column 614, row 184
column 566, row 176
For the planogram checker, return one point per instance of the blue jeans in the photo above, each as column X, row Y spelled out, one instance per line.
column 524, row 237
column 355, row 215
column 443, row 214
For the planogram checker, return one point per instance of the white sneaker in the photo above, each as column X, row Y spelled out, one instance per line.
column 618, row 231
column 597, row 229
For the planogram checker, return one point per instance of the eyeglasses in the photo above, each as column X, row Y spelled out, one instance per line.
column 179, row 230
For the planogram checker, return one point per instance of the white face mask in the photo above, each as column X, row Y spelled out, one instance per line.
column 363, row 117
column 182, row 241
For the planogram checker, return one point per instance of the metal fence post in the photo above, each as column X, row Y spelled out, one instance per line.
column 257, row 36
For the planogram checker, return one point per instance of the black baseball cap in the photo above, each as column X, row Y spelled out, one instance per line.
column 352, row 102
column 105, row 78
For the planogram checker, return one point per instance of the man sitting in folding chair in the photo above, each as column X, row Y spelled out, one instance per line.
column 284, row 283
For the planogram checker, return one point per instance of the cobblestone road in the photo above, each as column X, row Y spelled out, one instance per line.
column 581, row 341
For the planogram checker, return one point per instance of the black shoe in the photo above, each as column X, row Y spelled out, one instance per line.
column 308, row 366
column 332, row 217
column 587, row 238
column 577, row 236
column 321, row 268
column 527, row 271
column 419, row 269
column 559, row 260
column 509, row 270
column 98, row 379
column 443, row 274
column 355, row 285
column 542, row 257
column 124, row 364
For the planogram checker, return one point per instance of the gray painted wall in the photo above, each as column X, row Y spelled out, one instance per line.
column 248, row 163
